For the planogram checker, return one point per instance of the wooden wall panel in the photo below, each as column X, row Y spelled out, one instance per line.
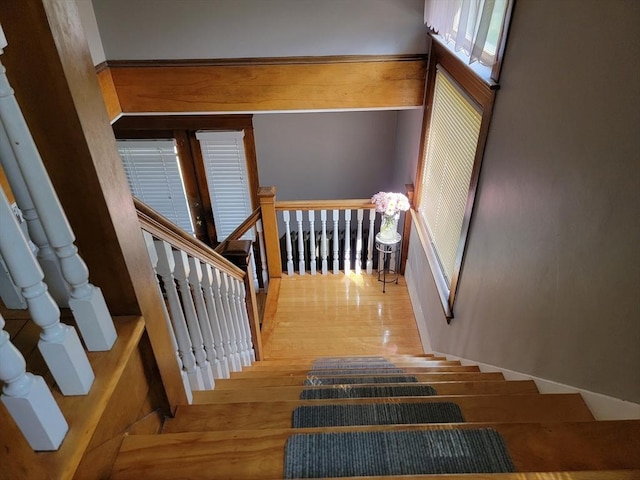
column 109, row 93
column 380, row 83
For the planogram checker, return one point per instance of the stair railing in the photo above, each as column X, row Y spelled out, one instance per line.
column 207, row 309
column 320, row 236
column 47, row 222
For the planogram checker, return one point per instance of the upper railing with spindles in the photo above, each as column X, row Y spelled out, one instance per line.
column 207, row 315
column 319, row 236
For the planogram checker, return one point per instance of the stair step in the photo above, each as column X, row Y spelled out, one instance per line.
column 82, row 412
column 308, row 363
column 284, row 380
column 259, row 454
column 292, row 393
column 261, row 367
column 482, row 408
column 248, row 373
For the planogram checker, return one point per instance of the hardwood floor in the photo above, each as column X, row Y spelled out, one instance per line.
column 340, row 315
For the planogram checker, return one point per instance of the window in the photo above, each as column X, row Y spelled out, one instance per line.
column 154, row 176
column 447, row 170
column 225, row 168
column 455, row 128
column 475, row 30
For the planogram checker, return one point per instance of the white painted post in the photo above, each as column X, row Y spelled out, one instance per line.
column 360, row 216
column 312, row 242
column 263, row 256
column 287, row 236
column 195, row 280
column 166, row 266
column 336, row 242
column 181, row 274
column 153, row 258
column 323, row 246
column 86, row 302
column 59, row 344
column 28, row 399
column 58, row 287
column 220, row 282
column 254, row 270
column 300, row 242
column 218, row 326
column 372, row 219
column 347, row 241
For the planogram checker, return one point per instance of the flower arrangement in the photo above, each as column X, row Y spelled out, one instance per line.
column 390, row 203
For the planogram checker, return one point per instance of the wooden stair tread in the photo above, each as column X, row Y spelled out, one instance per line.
column 248, row 373
column 259, row 382
column 295, row 364
column 533, row 447
column 482, row 408
column 270, row 394
column 82, row 412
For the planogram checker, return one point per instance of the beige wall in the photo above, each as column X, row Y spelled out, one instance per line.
column 551, row 280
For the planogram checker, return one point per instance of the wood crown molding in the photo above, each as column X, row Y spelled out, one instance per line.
column 300, row 60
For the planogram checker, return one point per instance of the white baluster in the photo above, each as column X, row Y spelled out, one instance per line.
column 254, row 270
column 86, row 302
column 263, row 256
column 220, row 281
column 218, row 326
column 312, row 242
column 336, row 242
column 240, row 296
column 59, row 344
column 58, row 287
column 181, row 274
column 153, row 258
column 287, row 228
column 300, row 242
column 347, row 241
column 166, row 266
column 372, row 219
column 238, row 320
column 195, row 280
column 28, row 399
column 323, row 241
column 360, row 216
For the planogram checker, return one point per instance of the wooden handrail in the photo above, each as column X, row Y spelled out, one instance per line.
column 352, row 204
column 243, row 228
column 160, row 227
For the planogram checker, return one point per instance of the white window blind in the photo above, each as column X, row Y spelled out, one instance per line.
column 449, row 159
column 225, row 167
column 154, row 176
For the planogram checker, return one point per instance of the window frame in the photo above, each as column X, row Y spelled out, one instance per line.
column 483, row 94
column 182, row 128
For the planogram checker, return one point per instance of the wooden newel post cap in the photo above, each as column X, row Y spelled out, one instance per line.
column 237, row 252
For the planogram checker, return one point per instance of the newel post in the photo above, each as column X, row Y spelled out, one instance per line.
column 238, row 252
column 267, row 197
column 406, row 231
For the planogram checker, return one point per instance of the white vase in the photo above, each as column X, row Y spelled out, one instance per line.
column 389, row 227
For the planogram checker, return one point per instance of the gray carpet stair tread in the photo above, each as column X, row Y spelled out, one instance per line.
column 348, row 391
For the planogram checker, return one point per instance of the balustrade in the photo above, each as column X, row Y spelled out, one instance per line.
column 342, row 243
column 48, row 222
column 59, row 344
column 207, row 311
column 29, row 400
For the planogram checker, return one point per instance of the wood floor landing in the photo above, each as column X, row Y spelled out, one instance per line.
column 340, row 315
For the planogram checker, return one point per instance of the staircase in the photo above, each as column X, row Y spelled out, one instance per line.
column 241, row 429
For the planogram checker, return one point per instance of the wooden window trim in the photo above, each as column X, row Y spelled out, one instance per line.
column 182, row 128
column 484, row 95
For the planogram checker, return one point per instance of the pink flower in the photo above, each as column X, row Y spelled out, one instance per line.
column 390, row 203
